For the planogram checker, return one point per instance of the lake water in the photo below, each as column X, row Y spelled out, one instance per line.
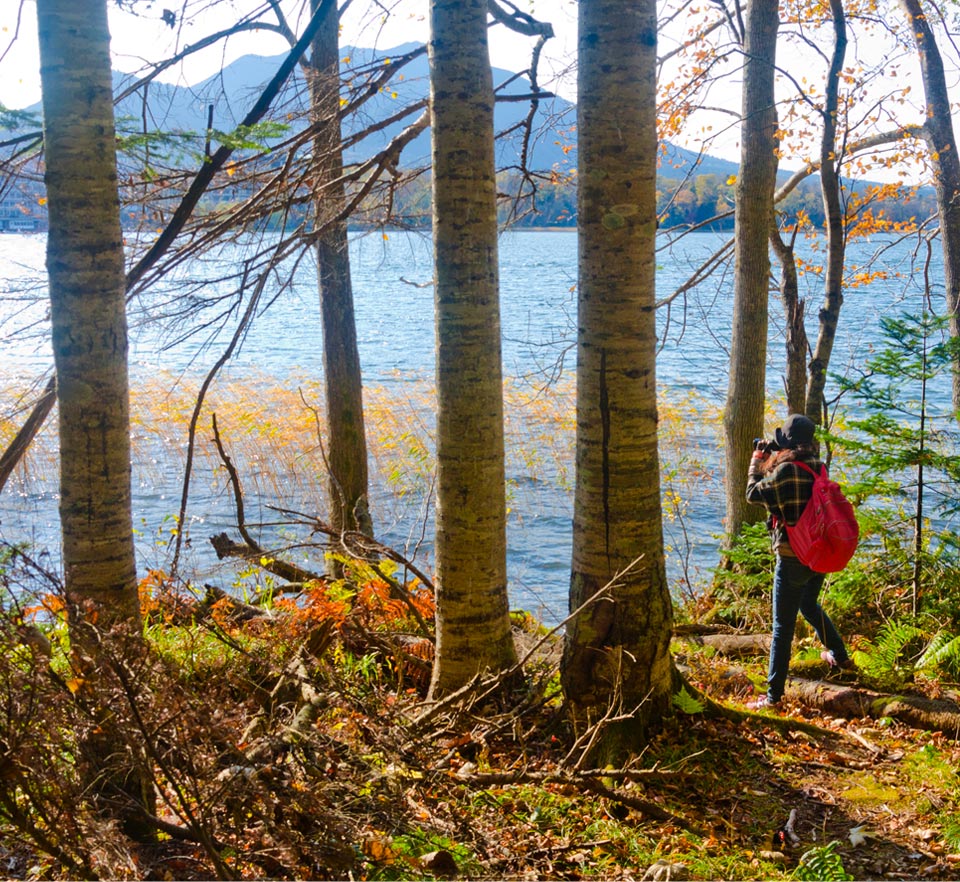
column 280, row 358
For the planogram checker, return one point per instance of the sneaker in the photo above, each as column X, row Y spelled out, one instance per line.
column 831, row 659
column 764, row 701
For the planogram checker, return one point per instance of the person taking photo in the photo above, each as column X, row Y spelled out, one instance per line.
column 775, row 482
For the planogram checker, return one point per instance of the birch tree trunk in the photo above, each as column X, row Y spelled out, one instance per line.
column 87, row 312
column 616, row 654
column 85, row 265
column 473, row 624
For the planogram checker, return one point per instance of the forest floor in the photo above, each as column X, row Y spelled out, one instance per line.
column 369, row 786
column 482, row 796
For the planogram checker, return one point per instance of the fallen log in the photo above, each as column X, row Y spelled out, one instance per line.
column 933, row 715
column 734, row 645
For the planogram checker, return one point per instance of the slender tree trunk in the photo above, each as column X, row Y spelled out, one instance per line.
column 794, row 310
column 941, row 141
column 833, row 212
column 346, row 442
column 473, row 623
column 756, row 182
column 616, row 654
column 86, row 278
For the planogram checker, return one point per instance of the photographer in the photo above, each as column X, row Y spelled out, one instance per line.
column 784, row 489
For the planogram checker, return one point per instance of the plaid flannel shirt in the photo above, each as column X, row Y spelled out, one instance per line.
column 785, row 492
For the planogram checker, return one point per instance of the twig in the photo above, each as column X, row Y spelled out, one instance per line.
column 224, row 547
column 648, row 808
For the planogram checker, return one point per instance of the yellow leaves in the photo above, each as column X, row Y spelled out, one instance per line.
column 42, row 200
column 75, row 684
column 380, row 850
column 731, row 180
column 343, row 102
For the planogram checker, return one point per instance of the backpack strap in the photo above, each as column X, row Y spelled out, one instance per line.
column 806, row 468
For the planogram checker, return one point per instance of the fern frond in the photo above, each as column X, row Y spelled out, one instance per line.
column 884, row 656
column 687, row 703
column 942, row 652
column 822, row 864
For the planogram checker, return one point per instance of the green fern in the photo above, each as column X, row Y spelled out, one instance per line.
column 942, row 653
column 822, row 864
column 884, row 659
column 687, row 703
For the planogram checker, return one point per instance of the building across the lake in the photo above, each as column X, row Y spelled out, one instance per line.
column 23, row 207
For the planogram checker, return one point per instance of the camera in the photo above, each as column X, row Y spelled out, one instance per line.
column 765, row 446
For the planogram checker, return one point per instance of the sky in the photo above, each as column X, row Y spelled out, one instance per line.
column 365, row 23
column 140, row 38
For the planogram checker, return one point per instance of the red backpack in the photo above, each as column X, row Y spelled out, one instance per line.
column 825, row 536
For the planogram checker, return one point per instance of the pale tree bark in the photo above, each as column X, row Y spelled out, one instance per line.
column 87, row 283
column 89, row 330
column 473, row 624
column 616, row 656
column 756, row 182
column 942, row 143
column 836, row 234
column 346, row 439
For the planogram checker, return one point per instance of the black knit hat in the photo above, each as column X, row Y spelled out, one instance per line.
column 797, row 430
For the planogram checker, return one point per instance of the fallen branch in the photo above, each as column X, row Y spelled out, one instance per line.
column 494, row 779
column 224, row 546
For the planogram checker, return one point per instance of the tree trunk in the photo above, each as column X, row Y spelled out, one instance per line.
column 86, row 273
column 473, row 624
column 346, row 438
column 616, row 654
column 744, row 413
column 85, row 265
column 939, row 135
column 794, row 311
column 833, row 212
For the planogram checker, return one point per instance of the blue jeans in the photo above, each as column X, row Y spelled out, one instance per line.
column 795, row 590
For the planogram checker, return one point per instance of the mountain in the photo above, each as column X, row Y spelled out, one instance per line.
column 222, row 101
column 232, row 91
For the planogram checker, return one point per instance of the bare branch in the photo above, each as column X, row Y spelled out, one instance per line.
column 517, row 20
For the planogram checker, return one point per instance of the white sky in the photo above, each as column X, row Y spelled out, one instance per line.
column 145, row 37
